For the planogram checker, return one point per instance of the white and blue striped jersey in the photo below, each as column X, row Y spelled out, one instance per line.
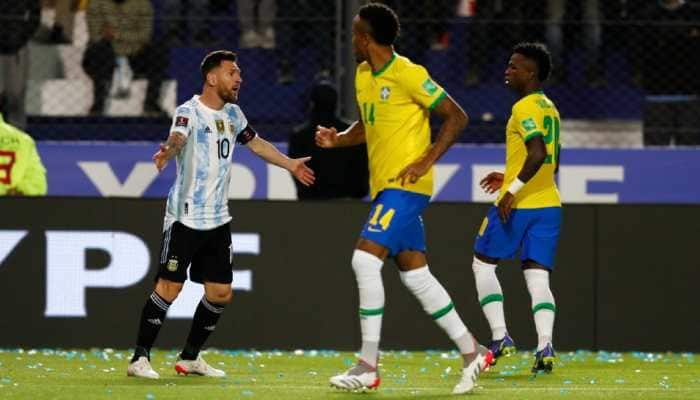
column 199, row 196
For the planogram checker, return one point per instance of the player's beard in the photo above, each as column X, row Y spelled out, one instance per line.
column 228, row 96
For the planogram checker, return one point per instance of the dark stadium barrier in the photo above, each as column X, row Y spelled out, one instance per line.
column 75, row 273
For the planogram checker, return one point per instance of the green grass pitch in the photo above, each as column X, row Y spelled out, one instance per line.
column 101, row 374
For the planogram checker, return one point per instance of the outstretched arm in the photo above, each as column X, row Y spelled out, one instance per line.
column 297, row 166
column 454, row 121
column 176, row 141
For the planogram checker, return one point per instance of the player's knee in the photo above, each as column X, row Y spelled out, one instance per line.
column 365, row 264
column 480, row 266
column 168, row 290
column 220, row 296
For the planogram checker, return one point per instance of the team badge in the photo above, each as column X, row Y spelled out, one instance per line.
column 219, row 125
column 430, row 86
column 172, row 265
column 384, row 93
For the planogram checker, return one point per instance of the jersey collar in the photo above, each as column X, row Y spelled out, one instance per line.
column 385, row 67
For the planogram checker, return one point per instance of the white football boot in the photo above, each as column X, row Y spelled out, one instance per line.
column 471, row 372
column 197, row 367
column 142, row 368
column 361, row 376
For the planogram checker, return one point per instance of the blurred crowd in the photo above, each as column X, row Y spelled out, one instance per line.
column 134, row 39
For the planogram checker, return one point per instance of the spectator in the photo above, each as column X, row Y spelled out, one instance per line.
column 496, row 26
column 590, row 12
column 18, row 22
column 309, row 24
column 424, row 25
column 669, row 52
column 183, row 17
column 340, row 172
column 256, row 19
column 21, row 170
column 123, row 28
column 64, row 18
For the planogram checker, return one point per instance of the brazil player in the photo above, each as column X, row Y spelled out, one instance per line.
column 527, row 214
column 395, row 99
column 196, row 229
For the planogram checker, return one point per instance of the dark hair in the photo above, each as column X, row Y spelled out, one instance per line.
column 214, row 59
column 324, row 97
column 383, row 22
column 538, row 53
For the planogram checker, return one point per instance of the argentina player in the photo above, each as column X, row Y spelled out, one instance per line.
column 196, row 229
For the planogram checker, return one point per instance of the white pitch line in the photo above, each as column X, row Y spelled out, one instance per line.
column 481, row 388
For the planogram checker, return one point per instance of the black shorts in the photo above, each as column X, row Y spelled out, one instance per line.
column 209, row 252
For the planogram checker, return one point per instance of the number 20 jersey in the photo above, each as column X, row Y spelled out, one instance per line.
column 199, row 196
column 533, row 115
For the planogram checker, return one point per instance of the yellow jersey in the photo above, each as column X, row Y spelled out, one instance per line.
column 21, row 168
column 395, row 104
column 533, row 115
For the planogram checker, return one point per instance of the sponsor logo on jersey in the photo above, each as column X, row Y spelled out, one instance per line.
column 181, row 121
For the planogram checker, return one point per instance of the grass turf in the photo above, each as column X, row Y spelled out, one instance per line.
column 101, row 374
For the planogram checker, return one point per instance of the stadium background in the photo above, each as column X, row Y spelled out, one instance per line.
column 623, row 268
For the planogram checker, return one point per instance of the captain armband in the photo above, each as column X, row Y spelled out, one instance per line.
column 246, row 135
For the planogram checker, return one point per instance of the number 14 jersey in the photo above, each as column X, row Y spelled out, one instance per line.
column 199, row 196
column 533, row 115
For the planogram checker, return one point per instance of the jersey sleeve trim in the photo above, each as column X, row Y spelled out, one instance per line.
column 438, row 100
column 532, row 135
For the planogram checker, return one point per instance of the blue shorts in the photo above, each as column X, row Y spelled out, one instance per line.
column 395, row 221
column 535, row 231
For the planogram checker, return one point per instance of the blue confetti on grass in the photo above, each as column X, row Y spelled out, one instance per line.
column 247, row 393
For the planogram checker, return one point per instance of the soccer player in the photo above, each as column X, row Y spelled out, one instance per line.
column 527, row 214
column 196, row 226
column 21, row 170
column 395, row 98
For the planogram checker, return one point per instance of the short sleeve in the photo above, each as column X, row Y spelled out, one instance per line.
column 421, row 87
column 33, row 183
column 529, row 120
column 183, row 120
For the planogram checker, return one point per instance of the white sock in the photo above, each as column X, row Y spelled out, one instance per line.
column 488, row 288
column 368, row 272
column 543, row 306
column 437, row 303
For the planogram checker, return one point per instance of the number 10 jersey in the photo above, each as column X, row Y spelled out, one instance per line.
column 199, row 196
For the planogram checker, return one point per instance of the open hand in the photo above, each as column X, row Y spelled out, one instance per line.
column 492, row 182
column 413, row 171
column 303, row 173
